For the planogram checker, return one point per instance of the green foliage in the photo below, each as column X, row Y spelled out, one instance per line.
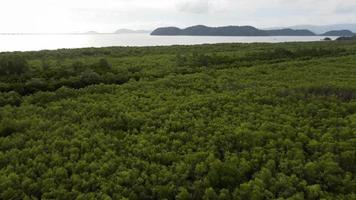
column 183, row 194
column 10, row 98
column 13, row 65
column 224, row 121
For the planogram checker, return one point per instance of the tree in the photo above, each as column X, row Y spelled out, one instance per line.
column 224, row 195
column 183, row 194
column 89, row 77
column 210, row 194
column 103, row 63
column 13, row 65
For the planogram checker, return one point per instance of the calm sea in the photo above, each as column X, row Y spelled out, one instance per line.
column 41, row 42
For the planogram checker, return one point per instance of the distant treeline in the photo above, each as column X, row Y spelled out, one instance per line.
column 18, row 76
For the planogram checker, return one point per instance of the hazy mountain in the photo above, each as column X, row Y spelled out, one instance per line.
column 91, row 32
column 290, row 32
column 326, row 28
column 129, row 31
column 229, row 31
column 344, row 33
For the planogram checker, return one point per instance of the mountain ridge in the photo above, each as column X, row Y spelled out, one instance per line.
column 320, row 29
column 341, row 33
column 202, row 30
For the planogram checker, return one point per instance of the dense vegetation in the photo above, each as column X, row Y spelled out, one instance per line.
column 346, row 38
column 225, row 121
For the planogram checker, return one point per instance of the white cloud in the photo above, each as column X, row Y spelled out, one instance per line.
column 108, row 15
column 195, row 6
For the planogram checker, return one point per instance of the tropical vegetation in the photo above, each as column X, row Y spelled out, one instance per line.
column 223, row 121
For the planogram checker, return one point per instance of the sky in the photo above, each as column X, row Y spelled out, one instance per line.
column 63, row 16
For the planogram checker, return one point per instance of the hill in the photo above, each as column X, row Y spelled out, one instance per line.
column 211, row 31
column 290, row 32
column 344, row 33
column 325, row 28
column 201, row 30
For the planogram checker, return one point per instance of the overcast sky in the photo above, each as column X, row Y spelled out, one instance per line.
column 109, row 15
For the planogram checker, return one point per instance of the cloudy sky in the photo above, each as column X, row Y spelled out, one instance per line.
column 109, row 15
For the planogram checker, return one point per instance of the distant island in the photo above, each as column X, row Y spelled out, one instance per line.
column 211, row 31
column 289, row 32
column 201, row 30
column 129, row 31
column 91, row 33
column 320, row 29
column 120, row 31
column 343, row 33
